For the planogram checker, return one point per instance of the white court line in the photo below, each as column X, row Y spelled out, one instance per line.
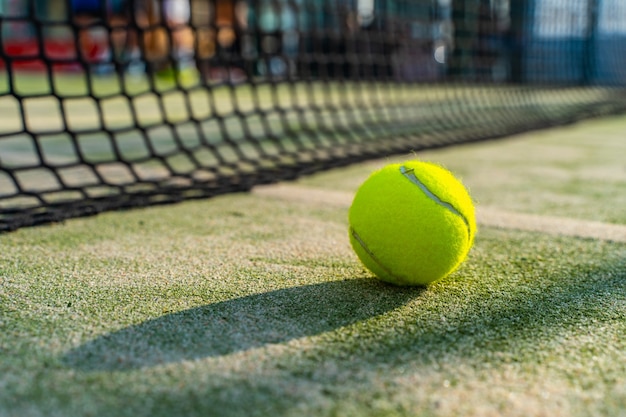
column 486, row 216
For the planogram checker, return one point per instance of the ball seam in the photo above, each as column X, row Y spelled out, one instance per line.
column 360, row 241
column 410, row 175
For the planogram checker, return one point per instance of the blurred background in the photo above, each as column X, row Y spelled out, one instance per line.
column 556, row 41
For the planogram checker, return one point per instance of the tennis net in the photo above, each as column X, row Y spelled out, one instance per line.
column 118, row 104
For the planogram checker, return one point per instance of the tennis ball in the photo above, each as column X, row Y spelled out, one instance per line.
column 412, row 223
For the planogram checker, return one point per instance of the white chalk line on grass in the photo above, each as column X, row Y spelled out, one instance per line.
column 485, row 215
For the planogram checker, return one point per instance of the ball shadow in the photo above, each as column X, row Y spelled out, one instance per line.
column 239, row 324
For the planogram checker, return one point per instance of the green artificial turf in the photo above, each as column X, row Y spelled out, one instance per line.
column 248, row 305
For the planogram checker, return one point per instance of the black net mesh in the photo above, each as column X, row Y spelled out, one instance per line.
column 108, row 104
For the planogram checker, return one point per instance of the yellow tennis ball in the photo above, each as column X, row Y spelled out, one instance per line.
column 412, row 223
